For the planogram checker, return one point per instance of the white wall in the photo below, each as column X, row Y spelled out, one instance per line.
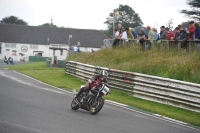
column 7, row 50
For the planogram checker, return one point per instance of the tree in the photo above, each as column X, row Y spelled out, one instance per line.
column 13, row 20
column 127, row 17
column 48, row 24
column 195, row 12
column 169, row 24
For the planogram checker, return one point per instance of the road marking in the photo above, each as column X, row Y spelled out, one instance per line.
column 126, row 107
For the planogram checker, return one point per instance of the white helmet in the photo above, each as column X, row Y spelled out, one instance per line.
column 104, row 73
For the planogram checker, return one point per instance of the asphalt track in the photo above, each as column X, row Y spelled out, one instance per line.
column 29, row 106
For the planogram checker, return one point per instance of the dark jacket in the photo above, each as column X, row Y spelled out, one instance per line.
column 197, row 33
column 134, row 35
column 163, row 36
column 182, row 35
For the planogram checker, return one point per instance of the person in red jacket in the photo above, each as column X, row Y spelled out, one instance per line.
column 170, row 34
column 191, row 30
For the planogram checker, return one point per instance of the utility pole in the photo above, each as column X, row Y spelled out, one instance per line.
column 113, row 24
column 51, row 20
column 70, row 36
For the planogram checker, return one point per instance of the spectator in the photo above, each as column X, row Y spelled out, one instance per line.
column 120, row 30
column 116, row 41
column 129, row 34
column 161, row 30
column 143, row 36
column 197, row 35
column 177, row 32
column 191, row 30
column 163, row 36
column 150, row 38
column 182, row 35
column 92, row 50
column 133, row 33
column 170, row 34
column 75, row 48
column 155, row 34
column 124, row 35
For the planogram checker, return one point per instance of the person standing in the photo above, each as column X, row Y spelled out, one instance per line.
column 197, row 36
column 150, row 38
column 155, row 34
column 129, row 34
column 124, row 35
column 170, row 34
column 120, row 30
column 116, row 41
column 163, row 35
column 143, row 36
column 133, row 33
column 191, row 30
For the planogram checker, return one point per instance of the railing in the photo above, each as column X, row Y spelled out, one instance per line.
column 160, row 44
column 163, row 90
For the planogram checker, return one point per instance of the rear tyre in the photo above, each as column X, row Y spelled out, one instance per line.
column 95, row 110
column 74, row 104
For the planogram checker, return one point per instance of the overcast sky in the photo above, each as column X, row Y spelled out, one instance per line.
column 91, row 14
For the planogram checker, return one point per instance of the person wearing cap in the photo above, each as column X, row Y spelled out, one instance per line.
column 163, row 36
column 191, row 30
column 150, row 38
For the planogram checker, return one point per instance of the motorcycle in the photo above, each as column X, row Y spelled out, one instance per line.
column 91, row 100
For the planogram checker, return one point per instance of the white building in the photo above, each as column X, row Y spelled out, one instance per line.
column 24, row 42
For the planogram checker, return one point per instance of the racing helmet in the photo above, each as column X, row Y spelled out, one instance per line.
column 104, row 73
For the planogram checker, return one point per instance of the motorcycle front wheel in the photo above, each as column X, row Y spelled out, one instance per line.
column 98, row 107
column 74, row 104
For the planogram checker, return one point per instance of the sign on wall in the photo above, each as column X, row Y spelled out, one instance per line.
column 24, row 48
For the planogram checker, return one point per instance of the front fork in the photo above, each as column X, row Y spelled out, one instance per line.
column 94, row 103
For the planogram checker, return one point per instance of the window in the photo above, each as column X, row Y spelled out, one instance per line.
column 10, row 45
column 13, row 45
column 33, row 46
column 61, row 52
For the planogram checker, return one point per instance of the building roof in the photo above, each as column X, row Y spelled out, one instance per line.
column 185, row 25
column 40, row 35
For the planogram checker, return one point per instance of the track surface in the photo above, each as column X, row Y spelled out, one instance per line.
column 28, row 106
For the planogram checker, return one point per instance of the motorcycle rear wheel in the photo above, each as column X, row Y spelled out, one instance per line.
column 74, row 105
column 95, row 110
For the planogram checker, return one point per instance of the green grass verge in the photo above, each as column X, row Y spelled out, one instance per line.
column 169, row 64
column 58, row 78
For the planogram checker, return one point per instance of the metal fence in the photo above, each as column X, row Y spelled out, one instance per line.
column 159, row 45
column 163, row 90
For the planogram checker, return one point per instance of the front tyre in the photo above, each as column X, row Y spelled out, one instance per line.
column 99, row 106
column 74, row 104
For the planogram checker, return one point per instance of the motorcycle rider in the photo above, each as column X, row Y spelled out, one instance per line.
column 94, row 81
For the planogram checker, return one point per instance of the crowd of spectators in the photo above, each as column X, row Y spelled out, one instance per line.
column 173, row 35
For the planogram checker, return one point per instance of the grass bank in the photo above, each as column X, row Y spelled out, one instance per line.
column 58, row 78
column 174, row 64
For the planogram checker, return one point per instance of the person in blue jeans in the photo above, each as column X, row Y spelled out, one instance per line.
column 197, row 36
